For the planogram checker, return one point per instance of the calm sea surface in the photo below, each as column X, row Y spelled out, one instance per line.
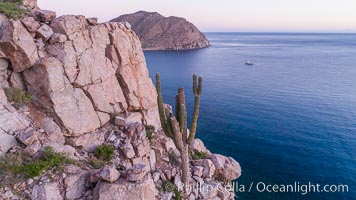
column 289, row 118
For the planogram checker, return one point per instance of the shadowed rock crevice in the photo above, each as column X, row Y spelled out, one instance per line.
column 125, row 90
column 113, row 55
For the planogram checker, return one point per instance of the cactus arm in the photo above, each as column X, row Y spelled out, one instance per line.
column 183, row 118
column 177, row 107
column 169, row 132
column 161, row 110
column 195, row 84
column 182, row 115
column 200, row 85
column 160, row 100
column 193, row 126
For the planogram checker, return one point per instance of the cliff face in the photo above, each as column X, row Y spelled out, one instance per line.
column 164, row 33
column 71, row 65
column 90, row 86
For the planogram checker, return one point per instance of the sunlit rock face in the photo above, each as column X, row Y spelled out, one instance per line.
column 80, row 73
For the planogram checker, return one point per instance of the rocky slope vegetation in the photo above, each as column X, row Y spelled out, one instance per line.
column 157, row 32
column 82, row 89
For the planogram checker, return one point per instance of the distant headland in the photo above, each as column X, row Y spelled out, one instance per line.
column 157, row 32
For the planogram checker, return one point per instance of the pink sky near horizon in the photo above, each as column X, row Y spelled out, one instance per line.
column 228, row 15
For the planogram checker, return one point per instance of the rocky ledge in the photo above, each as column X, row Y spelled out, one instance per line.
column 157, row 32
column 89, row 88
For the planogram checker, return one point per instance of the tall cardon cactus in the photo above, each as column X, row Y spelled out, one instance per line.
column 176, row 126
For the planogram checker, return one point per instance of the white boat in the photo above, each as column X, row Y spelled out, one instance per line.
column 249, row 63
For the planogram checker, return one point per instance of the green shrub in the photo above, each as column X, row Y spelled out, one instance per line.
column 104, row 152
column 31, row 169
column 199, row 155
column 49, row 160
column 12, row 9
column 149, row 131
column 17, row 96
column 54, row 159
column 96, row 164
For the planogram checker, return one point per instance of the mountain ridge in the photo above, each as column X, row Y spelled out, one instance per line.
column 157, row 32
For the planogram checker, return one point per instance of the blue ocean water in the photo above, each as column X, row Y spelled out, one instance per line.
column 289, row 118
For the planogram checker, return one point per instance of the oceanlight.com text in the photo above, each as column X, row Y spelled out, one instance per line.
column 303, row 189
column 261, row 187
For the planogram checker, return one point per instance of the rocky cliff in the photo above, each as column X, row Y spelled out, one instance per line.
column 74, row 85
column 157, row 32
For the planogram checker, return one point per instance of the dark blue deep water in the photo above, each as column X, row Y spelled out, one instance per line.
column 289, row 118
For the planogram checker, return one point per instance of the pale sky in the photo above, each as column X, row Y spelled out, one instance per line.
column 227, row 15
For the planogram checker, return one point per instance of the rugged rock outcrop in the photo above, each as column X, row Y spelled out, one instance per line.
column 92, row 71
column 80, row 74
column 157, row 32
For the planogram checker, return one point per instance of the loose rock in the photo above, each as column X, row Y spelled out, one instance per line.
column 18, row 45
column 75, row 185
column 27, row 136
column 58, row 38
column 109, row 174
column 44, row 32
column 6, row 142
column 198, row 146
column 53, row 131
column 120, row 121
column 208, row 165
column 226, row 167
column 136, row 173
column 33, row 148
column 46, row 191
column 45, row 16
column 128, row 150
column 30, row 3
column 31, row 24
